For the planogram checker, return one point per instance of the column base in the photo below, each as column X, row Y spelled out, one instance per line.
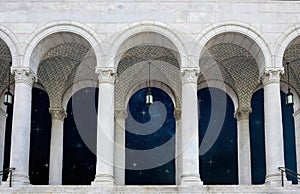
column 18, row 180
column 103, row 179
column 276, row 180
column 191, row 180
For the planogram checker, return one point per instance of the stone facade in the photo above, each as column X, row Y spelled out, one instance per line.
column 63, row 46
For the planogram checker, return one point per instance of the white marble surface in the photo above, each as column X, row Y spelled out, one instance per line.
column 3, row 116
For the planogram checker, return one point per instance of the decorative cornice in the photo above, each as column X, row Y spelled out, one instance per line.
column 120, row 114
column 177, row 114
column 57, row 113
column 189, row 75
column 272, row 75
column 24, row 75
column 106, row 75
column 242, row 113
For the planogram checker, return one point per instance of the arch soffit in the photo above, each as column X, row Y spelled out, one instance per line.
column 221, row 86
column 75, row 88
column 144, row 27
column 284, row 41
column 155, row 84
column 235, row 27
column 56, row 27
column 11, row 41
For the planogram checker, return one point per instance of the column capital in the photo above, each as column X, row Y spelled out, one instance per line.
column 177, row 114
column 296, row 113
column 120, row 114
column 242, row 113
column 189, row 75
column 106, row 75
column 24, row 75
column 272, row 75
column 58, row 113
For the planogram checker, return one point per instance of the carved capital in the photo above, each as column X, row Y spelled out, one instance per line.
column 58, row 113
column 242, row 113
column 296, row 113
column 177, row 114
column 3, row 114
column 189, row 75
column 272, row 75
column 24, row 75
column 106, row 75
column 121, row 114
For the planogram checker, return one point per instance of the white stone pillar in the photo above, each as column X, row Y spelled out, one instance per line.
column 21, row 124
column 297, row 137
column 273, row 125
column 244, row 151
column 56, row 145
column 105, row 128
column 119, row 148
column 3, row 117
column 178, row 153
column 189, row 119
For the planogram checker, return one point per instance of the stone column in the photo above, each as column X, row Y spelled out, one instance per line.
column 297, row 137
column 105, row 128
column 244, row 151
column 21, row 124
column 178, row 153
column 189, row 119
column 3, row 117
column 273, row 125
column 119, row 148
column 56, row 146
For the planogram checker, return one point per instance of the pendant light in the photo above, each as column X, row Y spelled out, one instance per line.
column 149, row 96
column 289, row 99
column 8, row 97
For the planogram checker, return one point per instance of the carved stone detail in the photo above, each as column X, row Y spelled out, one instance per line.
column 58, row 113
column 24, row 75
column 272, row 75
column 189, row 75
column 177, row 114
column 121, row 114
column 106, row 75
column 3, row 114
column 243, row 113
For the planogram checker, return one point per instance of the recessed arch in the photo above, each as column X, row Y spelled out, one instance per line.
column 12, row 42
column 222, row 86
column 156, row 33
column 263, row 61
column 33, row 56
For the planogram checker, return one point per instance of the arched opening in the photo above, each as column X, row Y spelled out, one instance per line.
column 40, row 135
column 150, row 140
column 257, row 138
column 80, row 132
column 289, row 137
column 218, row 162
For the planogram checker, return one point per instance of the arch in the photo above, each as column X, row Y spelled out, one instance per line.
column 222, row 86
column 61, row 26
column 75, row 88
column 283, row 42
column 143, row 27
column 155, row 84
column 12, row 42
column 235, row 27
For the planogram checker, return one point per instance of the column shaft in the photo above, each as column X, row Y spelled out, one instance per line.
column 273, row 125
column 189, row 116
column 105, row 129
column 56, row 146
column 297, row 137
column 178, row 154
column 20, row 139
column 244, row 151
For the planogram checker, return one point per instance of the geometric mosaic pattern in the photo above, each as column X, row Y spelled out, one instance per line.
column 5, row 58
column 233, row 65
column 61, row 66
column 133, row 70
column 292, row 55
